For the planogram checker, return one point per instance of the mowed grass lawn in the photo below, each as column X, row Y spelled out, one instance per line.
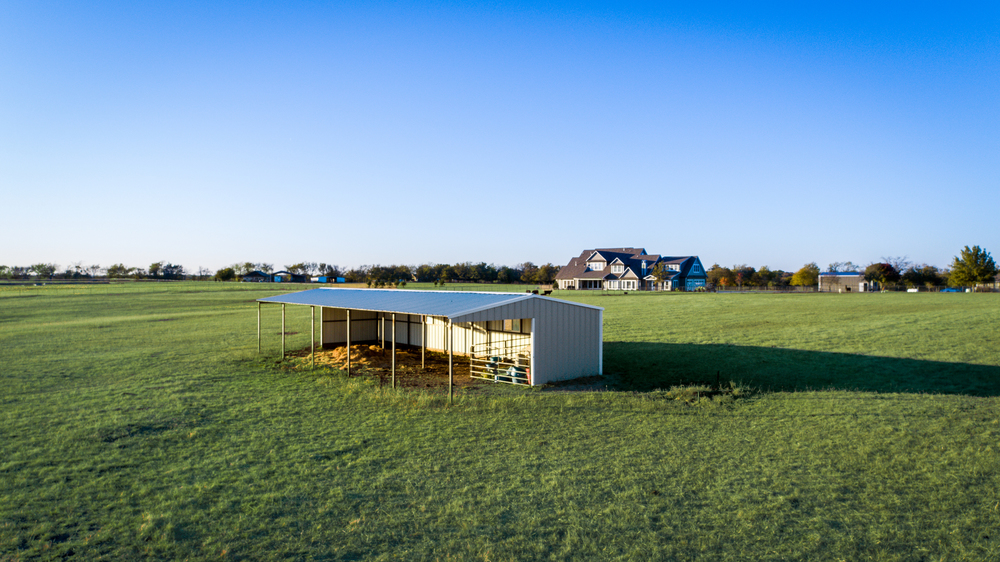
column 144, row 425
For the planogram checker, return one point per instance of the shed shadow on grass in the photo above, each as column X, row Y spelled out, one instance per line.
column 639, row 366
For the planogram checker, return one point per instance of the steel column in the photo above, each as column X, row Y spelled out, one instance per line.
column 258, row 327
column 451, row 366
column 394, row 350
column 423, row 340
column 312, row 335
column 348, row 342
column 282, row 330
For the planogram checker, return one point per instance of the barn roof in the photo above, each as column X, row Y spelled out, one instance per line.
column 448, row 304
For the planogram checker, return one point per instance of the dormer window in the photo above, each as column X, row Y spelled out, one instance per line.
column 673, row 267
column 617, row 268
column 595, row 265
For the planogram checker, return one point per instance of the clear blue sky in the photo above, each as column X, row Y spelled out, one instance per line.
column 206, row 133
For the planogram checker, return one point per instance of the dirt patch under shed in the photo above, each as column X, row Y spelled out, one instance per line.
column 375, row 362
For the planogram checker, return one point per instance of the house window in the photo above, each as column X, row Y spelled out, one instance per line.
column 596, row 265
column 695, row 268
column 617, row 268
column 674, row 267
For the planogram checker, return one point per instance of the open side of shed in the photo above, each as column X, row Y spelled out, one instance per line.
column 509, row 337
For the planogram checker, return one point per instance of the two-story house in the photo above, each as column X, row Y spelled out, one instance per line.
column 631, row 269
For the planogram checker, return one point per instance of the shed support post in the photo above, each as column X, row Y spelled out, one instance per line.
column 258, row 327
column 451, row 366
column 423, row 340
column 348, row 342
column 383, row 332
column 394, row 350
column 282, row 330
column 312, row 335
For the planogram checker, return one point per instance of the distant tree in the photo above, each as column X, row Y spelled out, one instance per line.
column 425, row 273
column 155, row 268
column 446, row 273
column 899, row 263
column 44, row 270
column 661, row 273
column 460, row 271
column 225, row 274
column 743, row 274
column 75, row 270
column 298, row 268
column 807, row 276
column 972, row 267
column 922, row 275
column 18, row 272
column 94, row 270
column 884, row 274
column 720, row 276
column 119, row 270
column 490, row 273
column 528, row 271
column 402, row 273
column 763, row 277
column 172, row 271
column 843, row 267
column 5, row 272
column 330, row 270
column 545, row 274
column 477, row 271
column 357, row 275
column 507, row 274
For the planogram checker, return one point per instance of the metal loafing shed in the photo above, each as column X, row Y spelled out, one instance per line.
column 544, row 339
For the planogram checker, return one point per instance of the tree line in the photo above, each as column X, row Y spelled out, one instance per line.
column 156, row 270
column 973, row 266
column 395, row 275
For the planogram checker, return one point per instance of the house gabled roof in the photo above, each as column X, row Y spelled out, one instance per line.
column 685, row 263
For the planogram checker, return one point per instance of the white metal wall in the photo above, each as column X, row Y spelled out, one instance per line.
column 567, row 339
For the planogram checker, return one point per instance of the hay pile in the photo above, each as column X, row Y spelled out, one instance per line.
column 371, row 356
column 374, row 361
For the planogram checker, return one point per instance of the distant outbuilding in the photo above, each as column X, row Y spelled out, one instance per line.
column 843, row 282
column 256, row 277
column 289, row 277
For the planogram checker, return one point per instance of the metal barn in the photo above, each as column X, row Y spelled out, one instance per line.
column 519, row 338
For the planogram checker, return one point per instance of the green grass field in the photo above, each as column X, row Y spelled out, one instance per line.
column 142, row 424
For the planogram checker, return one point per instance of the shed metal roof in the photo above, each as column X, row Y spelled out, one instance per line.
column 448, row 304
